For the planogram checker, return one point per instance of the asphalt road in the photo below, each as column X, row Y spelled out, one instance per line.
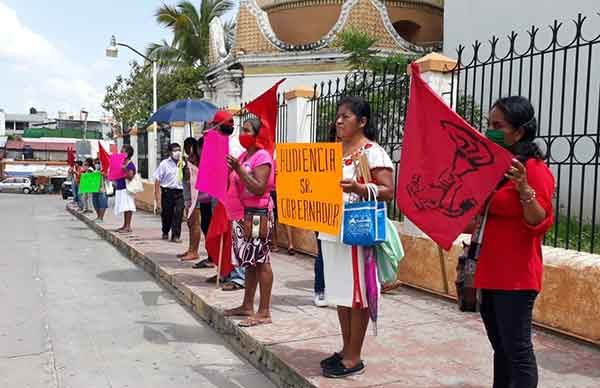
column 75, row 313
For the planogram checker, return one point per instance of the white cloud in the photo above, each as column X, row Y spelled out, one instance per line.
column 49, row 79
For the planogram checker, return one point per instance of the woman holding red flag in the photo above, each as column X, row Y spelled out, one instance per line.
column 509, row 269
column 252, row 179
column 344, row 265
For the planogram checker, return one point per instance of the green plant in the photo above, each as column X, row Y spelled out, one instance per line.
column 190, row 28
column 130, row 98
column 358, row 45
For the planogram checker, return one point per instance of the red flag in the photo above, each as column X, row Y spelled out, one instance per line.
column 447, row 168
column 220, row 227
column 104, row 158
column 266, row 107
column 70, row 157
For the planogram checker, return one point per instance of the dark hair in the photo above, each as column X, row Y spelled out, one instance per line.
column 255, row 124
column 332, row 134
column 519, row 113
column 128, row 150
column 79, row 163
column 226, row 129
column 191, row 144
column 172, row 146
column 361, row 108
column 89, row 162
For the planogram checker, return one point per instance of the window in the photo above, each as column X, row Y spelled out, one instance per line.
column 407, row 29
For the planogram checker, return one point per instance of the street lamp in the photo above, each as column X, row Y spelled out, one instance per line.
column 84, row 116
column 112, row 51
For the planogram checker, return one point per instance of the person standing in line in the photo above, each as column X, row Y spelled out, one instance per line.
column 169, row 186
column 344, row 266
column 224, row 124
column 100, row 200
column 86, row 199
column 252, row 179
column 72, row 173
column 125, row 201
column 509, row 268
column 77, row 170
column 319, row 285
column 190, row 171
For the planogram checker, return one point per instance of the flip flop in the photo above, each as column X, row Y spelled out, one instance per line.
column 253, row 322
column 233, row 315
column 391, row 286
column 291, row 251
column 232, row 287
column 180, row 255
column 193, row 258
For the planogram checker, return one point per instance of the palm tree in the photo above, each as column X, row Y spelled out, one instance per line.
column 190, row 28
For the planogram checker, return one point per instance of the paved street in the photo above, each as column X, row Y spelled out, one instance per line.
column 75, row 313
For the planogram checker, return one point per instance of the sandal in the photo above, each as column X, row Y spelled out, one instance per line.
column 212, row 279
column 206, row 263
column 180, row 255
column 291, row 251
column 188, row 258
column 253, row 321
column 232, row 287
column 237, row 312
column 391, row 286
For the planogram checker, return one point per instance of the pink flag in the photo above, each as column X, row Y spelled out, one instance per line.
column 213, row 171
column 116, row 167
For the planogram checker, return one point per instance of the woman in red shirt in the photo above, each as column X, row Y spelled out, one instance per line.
column 509, row 271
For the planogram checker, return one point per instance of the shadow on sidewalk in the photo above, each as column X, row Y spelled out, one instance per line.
column 125, row 275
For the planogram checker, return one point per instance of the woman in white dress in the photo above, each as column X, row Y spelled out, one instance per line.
column 344, row 264
column 125, row 201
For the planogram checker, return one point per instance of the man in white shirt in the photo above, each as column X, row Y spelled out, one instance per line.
column 168, row 183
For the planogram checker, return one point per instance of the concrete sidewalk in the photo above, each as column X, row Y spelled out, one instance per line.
column 423, row 341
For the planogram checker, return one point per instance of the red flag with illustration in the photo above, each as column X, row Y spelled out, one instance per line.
column 220, row 227
column 104, row 158
column 70, row 157
column 266, row 108
column 447, row 169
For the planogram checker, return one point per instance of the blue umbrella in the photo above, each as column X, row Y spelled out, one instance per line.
column 184, row 110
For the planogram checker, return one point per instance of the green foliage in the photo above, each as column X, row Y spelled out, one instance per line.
column 130, row 98
column 190, row 28
column 559, row 236
column 358, row 45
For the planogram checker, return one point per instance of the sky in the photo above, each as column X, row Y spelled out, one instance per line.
column 52, row 54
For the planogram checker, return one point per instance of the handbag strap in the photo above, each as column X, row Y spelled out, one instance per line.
column 481, row 228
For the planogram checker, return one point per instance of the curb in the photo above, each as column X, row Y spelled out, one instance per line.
column 256, row 352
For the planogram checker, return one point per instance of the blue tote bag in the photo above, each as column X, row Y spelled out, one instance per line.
column 365, row 222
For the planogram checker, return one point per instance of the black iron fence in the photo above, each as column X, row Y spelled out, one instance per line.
column 558, row 69
column 387, row 94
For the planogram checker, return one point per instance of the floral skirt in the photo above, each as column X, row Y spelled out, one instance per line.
column 249, row 253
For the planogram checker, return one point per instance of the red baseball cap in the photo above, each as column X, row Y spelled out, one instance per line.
column 222, row 117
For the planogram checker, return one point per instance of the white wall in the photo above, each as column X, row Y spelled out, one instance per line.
column 255, row 85
column 468, row 20
column 559, row 101
column 2, row 123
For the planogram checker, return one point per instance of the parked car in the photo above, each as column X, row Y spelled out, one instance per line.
column 16, row 185
column 66, row 189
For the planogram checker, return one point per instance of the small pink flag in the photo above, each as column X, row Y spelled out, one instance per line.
column 213, row 171
column 116, row 167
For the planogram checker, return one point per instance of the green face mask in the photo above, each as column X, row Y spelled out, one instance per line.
column 497, row 136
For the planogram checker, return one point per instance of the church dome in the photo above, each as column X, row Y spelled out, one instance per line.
column 300, row 22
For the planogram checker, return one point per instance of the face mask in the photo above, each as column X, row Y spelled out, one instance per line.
column 247, row 141
column 226, row 129
column 176, row 155
column 97, row 166
column 497, row 136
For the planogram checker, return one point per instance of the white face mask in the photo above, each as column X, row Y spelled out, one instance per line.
column 176, row 155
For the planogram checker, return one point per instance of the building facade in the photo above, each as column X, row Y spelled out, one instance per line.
column 295, row 40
